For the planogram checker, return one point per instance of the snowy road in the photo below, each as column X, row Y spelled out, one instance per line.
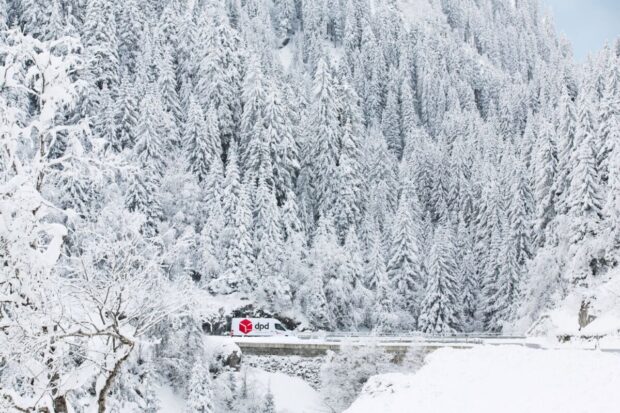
column 316, row 344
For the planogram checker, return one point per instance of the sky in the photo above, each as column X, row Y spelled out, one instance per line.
column 588, row 24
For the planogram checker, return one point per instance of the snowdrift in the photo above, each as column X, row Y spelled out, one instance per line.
column 603, row 312
column 499, row 379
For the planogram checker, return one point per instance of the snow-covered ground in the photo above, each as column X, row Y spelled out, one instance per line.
column 604, row 306
column 291, row 394
column 499, row 379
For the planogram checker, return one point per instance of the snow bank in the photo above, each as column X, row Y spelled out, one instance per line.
column 291, row 394
column 604, row 307
column 499, row 379
column 169, row 401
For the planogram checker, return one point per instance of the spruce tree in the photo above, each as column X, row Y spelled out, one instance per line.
column 566, row 147
column 405, row 263
column 150, row 146
column 101, row 42
column 200, row 397
column 239, row 271
column 218, row 78
column 167, row 84
column 391, row 124
column 440, row 312
column 469, row 285
column 130, row 24
column 127, row 115
column 279, row 135
column 545, row 169
column 584, row 197
column 324, row 130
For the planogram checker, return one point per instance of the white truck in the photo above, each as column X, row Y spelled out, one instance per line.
column 257, row 327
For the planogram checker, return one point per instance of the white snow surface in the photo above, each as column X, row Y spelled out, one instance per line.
column 290, row 394
column 604, row 299
column 169, row 401
column 499, row 379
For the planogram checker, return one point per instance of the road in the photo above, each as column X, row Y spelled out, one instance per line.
column 316, row 344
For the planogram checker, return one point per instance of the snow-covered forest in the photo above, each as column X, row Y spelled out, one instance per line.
column 437, row 166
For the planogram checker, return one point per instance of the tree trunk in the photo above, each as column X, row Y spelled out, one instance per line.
column 103, row 394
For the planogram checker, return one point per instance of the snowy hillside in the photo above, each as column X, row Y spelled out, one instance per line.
column 387, row 166
column 507, row 379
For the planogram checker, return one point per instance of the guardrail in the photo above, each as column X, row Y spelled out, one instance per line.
column 407, row 337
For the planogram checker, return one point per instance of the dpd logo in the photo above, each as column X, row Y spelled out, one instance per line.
column 260, row 326
column 245, row 326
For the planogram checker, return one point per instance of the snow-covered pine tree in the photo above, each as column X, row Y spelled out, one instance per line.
column 167, row 84
column 324, row 135
column 202, row 139
column 391, row 122
column 150, row 145
column 545, row 169
column 101, row 42
column 268, row 241
column 127, row 115
column 405, row 262
column 105, row 125
column 4, row 15
column 520, row 215
column 468, row 280
column 239, row 271
column 584, row 195
column 440, row 312
column 130, row 24
column 269, row 406
column 200, row 397
column 217, row 69
column 609, row 120
column 282, row 146
column 566, row 146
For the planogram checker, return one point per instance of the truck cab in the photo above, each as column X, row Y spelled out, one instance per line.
column 257, row 327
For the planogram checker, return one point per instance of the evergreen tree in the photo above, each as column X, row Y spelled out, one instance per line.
column 405, row 263
column 469, row 285
column 150, row 145
column 391, row 125
column 254, row 138
column 492, row 267
column 268, row 242
column 609, row 125
column 283, row 149
column 143, row 196
column 4, row 16
column 239, row 273
column 167, row 84
column 440, row 312
column 584, row 197
column 130, row 25
column 545, row 164
column 202, row 140
column 101, row 42
column 520, row 217
column 566, row 146
column 218, row 77
column 127, row 115
column 270, row 405
column 36, row 16
column 352, row 271
column 105, row 123
column 324, row 130
column 200, row 397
